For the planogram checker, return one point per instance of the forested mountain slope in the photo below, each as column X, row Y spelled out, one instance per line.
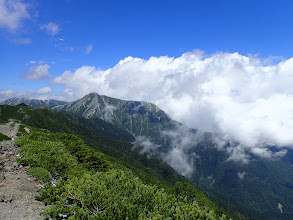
column 255, row 187
column 149, row 169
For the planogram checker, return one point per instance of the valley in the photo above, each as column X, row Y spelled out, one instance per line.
column 202, row 157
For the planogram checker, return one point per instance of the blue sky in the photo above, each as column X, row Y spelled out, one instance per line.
column 118, row 29
column 224, row 66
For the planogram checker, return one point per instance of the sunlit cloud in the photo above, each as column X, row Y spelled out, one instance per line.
column 13, row 13
column 239, row 97
column 38, row 72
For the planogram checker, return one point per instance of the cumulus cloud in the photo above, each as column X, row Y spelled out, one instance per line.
column 241, row 98
column 81, row 82
column 38, row 72
column 51, row 28
column 13, row 13
column 44, row 90
column 89, row 49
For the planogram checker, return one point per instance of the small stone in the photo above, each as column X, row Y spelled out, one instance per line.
column 1, row 165
column 4, row 199
column 15, row 164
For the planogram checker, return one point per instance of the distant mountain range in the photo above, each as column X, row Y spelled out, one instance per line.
column 33, row 102
column 255, row 189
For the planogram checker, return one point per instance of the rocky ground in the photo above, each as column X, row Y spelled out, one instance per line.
column 17, row 188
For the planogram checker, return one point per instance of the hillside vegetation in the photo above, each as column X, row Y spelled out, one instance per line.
column 90, row 187
column 140, row 186
column 255, row 189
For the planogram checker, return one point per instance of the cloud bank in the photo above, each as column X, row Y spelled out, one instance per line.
column 237, row 96
column 7, row 94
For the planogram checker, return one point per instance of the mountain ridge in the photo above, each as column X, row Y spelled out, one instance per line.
column 198, row 155
column 138, row 118
column 50, row 103
column 48, row 123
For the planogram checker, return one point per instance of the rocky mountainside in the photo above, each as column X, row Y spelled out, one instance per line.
column 256, row 188
column 33, row 102
column 138, row 118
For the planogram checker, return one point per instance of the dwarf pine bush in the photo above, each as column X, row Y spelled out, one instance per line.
column 89, row 188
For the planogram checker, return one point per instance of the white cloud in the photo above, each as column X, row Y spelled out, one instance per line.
column 22, row 40
column 239, row 97
column 51, row 28
column 238, row 154
column 89, row 49
column 7, row 94
column 181, row 140
column 38, row 72
column 44, row 90
column 13, row 13
column 180, row 162
column 108, row 113
column 266, row 153
column 241, row 175
column 146, row 144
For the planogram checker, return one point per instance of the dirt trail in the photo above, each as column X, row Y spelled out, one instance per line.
column 17, row 188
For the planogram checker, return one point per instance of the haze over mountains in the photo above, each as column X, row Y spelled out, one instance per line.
column 262, row 179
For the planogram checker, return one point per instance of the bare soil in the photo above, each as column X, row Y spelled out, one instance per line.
column 17, row 188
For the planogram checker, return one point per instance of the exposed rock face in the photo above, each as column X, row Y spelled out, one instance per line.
column 17, row 188
column 33, row 102
column 139, row 118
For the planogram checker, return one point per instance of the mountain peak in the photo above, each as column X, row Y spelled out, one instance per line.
column 92, row 94
column 127, row 114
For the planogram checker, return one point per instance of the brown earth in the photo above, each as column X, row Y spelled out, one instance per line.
column 17, row 188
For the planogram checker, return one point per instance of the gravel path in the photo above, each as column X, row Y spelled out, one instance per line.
column 17, row 188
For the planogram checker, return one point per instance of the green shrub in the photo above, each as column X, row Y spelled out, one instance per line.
column 119, row 195
column 88, row 188
column 40, row 173
column 4, row 137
